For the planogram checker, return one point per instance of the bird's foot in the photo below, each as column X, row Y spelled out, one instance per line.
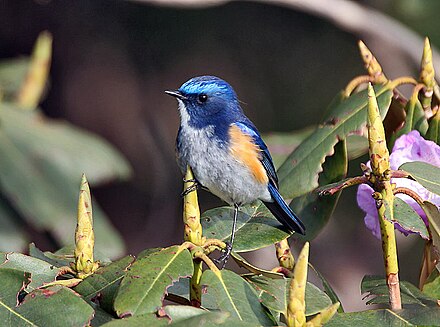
column 223, row 259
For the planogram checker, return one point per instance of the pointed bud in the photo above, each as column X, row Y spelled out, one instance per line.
column 379, row 155
column 427, row 75
column 32, row 89
column 324, row 316
column 191, row 211
column 371, row 64
column 284, row 255
column 296, row 307
column 84, row 236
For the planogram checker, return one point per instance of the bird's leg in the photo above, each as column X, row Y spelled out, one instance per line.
column 223, row 259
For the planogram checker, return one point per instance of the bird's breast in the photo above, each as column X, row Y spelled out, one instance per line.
column 218, row 167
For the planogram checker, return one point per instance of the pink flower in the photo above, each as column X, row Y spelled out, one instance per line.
column 407, row 148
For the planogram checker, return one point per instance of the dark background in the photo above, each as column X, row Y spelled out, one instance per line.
column 112, row 61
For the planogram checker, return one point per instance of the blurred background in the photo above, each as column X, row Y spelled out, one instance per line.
column 112, row 60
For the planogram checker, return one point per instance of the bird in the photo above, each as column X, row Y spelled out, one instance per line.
column 226, row 152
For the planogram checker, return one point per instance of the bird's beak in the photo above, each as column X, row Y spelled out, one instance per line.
column 176, row 93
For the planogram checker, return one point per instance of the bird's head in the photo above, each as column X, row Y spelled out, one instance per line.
column 206, row 100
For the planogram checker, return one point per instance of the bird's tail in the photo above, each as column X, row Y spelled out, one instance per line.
column 283, row 213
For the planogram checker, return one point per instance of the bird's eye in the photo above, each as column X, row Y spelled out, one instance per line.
column 202, row 98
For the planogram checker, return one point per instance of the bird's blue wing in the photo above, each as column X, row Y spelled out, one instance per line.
column 277, row 206
column 266, row 159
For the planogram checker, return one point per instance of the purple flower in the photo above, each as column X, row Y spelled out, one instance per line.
column 407, row 148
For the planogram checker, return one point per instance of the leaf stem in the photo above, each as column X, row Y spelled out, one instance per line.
column 212, row 244
column 207, row 261
column 195, row 292
column 355, row 82
column 402, row 80
column 389, row 248
column 282, row 270
column 411, row 193
column 380, row 179
column 336, row 187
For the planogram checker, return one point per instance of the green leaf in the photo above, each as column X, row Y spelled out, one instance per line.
column 408, row 218
column 273, row 294
column 181, row 316
column 282, row 144
column 150, row 320
column 12, row 235
column 370, row 318
column 316, row 300
column 69, row 149
column 357, row 146
column 41, row 271
column 412, row 315
column 424, row 173
column 433, row 216
column 433, row 132
column 101, row 286
column 415, row 119
column 420, row 315
column 376, row 287
column 190, row 316
column 432, row 285
column 234, row 295
column 179, row 313
column 243, row 263
column 180, row 288
column 328, row 288
column 66, row 253
column 212, row 319
column 143, row 287
column 12, row 282
column 147, row 252
column 256, row 227
column 53, row 259
column 52, row 306
column 299, row 173
column 100, row 317
column 315, row 210
column 40, row 173
column 12, row 75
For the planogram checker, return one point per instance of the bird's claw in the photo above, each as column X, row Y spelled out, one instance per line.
column 191, row 180
column 223, row 259
column 194, row 187
column 190, row 189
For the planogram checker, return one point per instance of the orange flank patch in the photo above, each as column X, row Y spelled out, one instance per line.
column 248, row 153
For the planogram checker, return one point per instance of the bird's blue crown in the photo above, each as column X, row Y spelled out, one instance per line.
column 210, row 85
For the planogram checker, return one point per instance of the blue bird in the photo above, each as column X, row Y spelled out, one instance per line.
column 225, row 151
